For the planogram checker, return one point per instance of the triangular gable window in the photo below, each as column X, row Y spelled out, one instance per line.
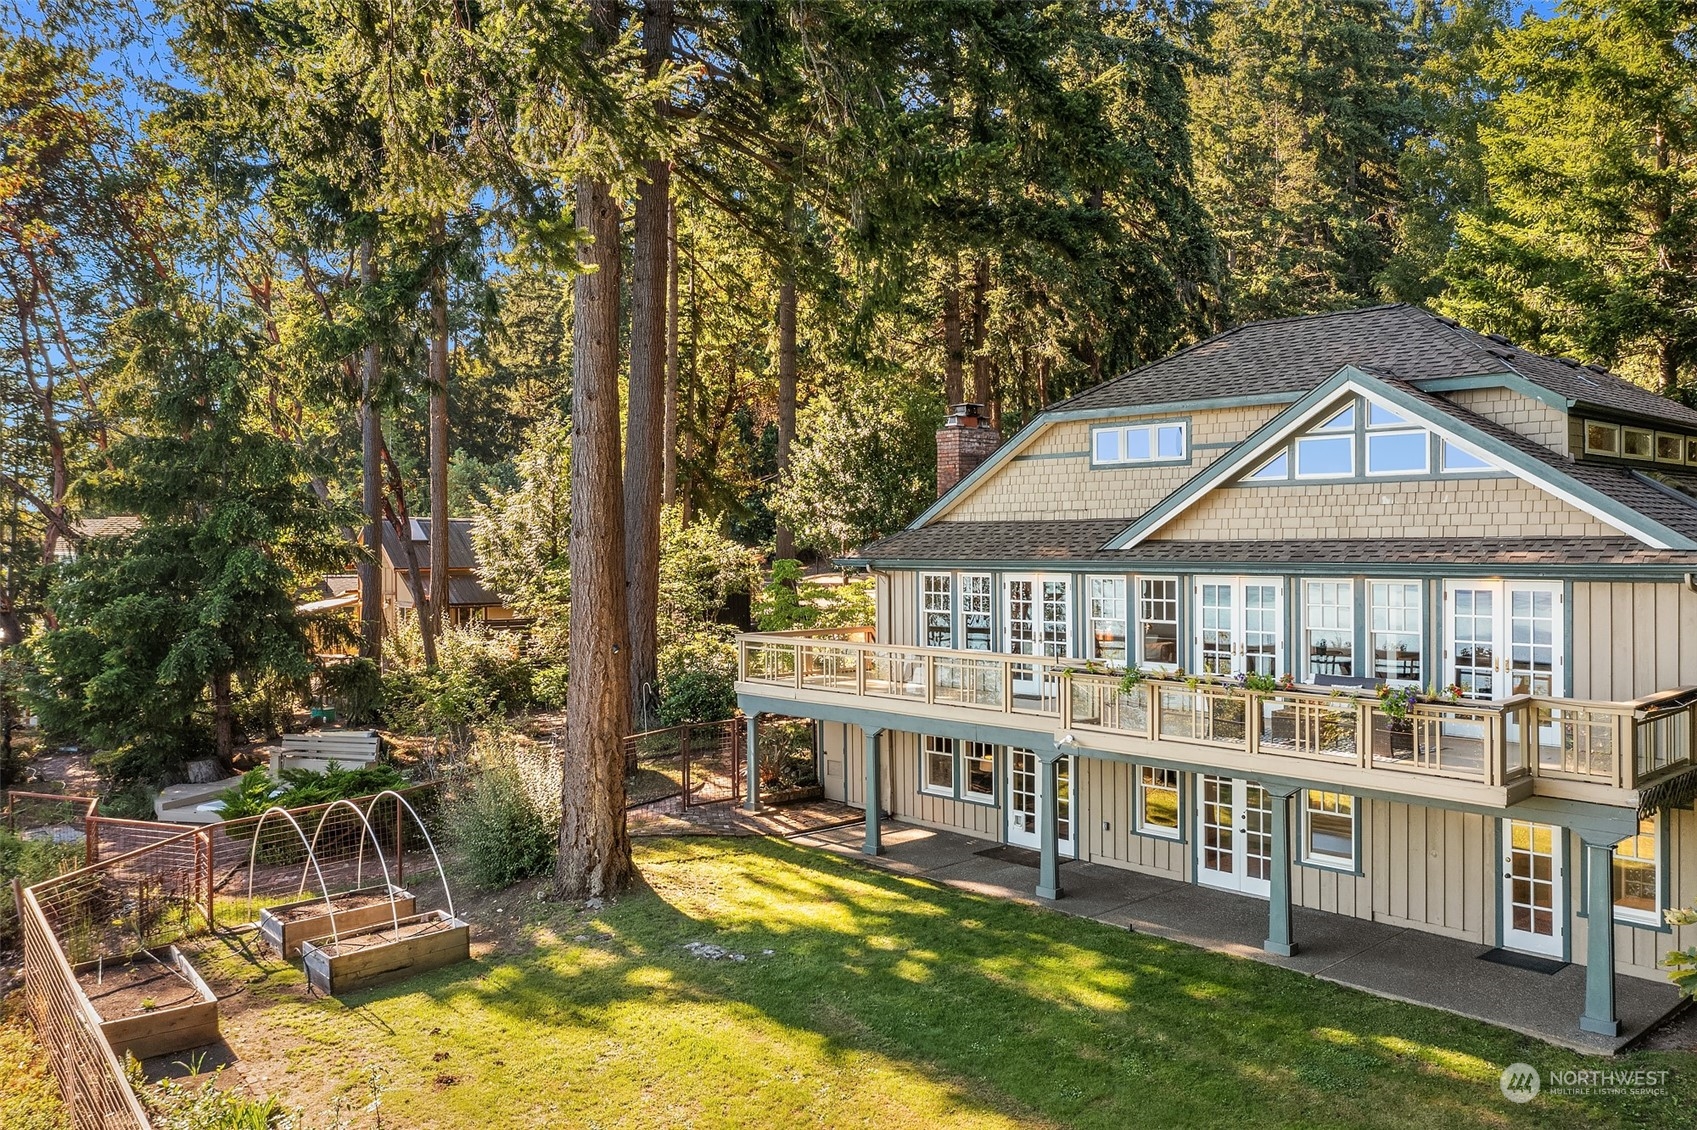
column 1342, row 422
column 1365, row 439
column 1273, row 470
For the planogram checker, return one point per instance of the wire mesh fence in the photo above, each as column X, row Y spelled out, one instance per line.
column 684, row 766
column 149, row 886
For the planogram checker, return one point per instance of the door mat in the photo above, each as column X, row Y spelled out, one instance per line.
column 1004, row 853
column 1526, row 961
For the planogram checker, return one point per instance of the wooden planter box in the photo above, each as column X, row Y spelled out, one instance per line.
column 794, row 795
column 129, row 1026
column 285, row 927
column 1393, row 741
column 381, row 955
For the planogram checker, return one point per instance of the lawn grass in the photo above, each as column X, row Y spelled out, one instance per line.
column 885, row 1002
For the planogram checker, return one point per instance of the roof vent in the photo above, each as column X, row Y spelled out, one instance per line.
column 1499, row 339
column 1598, row 369
column 1502, row 354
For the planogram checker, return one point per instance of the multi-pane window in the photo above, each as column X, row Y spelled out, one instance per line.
column 1107, row 620
column 1329, row 628
column 1393, row 633
column 1394, row 446
column 937, row 766
column 976, row 600
column 1157, row 801
column 1140, row 443
column 1329, row 450
column 1637, row 885
column 937, row 604
column 1328, row 828
column 1056, row 616
column 978, row 771
column 1157, row 621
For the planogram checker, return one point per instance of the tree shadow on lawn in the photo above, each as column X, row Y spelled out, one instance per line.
column 1007, row 1008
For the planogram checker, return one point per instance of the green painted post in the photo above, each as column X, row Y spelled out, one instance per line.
column 1599, row 1016
column 1279, row 940
column 1049, row 827
column 751, row 802
column 873, row 796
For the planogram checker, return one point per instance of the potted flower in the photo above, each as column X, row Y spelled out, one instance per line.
column 1394, row 736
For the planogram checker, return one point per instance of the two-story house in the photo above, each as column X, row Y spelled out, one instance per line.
column 1411, row 616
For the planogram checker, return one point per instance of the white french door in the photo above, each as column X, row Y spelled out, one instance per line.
column 1534, row 888
column 1025, row 796
column 1235, row 835
column 1504, row 638
column 1038, row 623
column 1240, row 625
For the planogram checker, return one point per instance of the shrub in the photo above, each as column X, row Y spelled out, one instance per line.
column 504, row 819
column 549, row 686
column 698, row 677
column 478, row 678
column 31, row 862
column 355, row 689
column 256, row 791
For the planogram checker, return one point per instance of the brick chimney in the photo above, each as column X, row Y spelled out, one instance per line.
column 965, row 440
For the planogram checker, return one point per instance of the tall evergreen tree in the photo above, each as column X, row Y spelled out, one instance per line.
column 1586, row 240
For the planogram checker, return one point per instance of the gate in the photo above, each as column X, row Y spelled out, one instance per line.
column 688, row 766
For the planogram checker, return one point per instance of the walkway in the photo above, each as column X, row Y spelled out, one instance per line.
column 729, row 819
column 1388, row 961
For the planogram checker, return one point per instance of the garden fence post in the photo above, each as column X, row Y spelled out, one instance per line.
column 400, row 847
column 206, row 838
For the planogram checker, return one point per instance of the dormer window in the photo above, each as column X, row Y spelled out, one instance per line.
column 1165, row 442
column 1638, row 443
column 1602, row 439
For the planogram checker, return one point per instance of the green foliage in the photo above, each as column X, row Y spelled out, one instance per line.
column 698, row 676
column 355, row 689
column 1682, row 964
column 1584, row 240
column 480, row 677
column 787, row 601
column 503, row 820
column 699, row 570
column 1297, row 130
column 522, row 534
column 298, row 788
column 864, row 463
column 172, row 1105
column 134, row 802
column 29, row 861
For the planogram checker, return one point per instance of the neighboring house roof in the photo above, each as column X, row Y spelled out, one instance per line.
column 469, row 592
column 116, row 525
column 329, row 604
column 339, row 584
column 1262, row 360
column 461, row 555
column 1082, row 540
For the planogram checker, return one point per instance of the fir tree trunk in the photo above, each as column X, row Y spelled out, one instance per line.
column 669, row 458
column 594, row 858
column 981, row 332
column 646, row 433
column 371, row 452
column 954, row 347
column 438, row 608
column 223, row 720
column 786, row 394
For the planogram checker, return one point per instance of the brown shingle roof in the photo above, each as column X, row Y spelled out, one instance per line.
column 1293, row 355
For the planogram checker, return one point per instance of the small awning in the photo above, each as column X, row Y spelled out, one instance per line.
column 330, row 604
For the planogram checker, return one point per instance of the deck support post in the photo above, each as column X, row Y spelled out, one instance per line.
column 874, row 795
column 751, row 783
column 1279, row 940
column 1599, row 1015
column 1049, row 825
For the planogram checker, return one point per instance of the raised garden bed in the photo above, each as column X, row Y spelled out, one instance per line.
column 382, row 954
column 795, row 794
column 285, row 927
column 150, row 1005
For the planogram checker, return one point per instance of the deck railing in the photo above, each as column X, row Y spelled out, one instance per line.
column 1621, row 745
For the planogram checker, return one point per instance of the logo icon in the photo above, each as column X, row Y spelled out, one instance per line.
column 1520, row 1083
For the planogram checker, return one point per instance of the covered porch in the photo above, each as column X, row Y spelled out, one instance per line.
column 1385, row 960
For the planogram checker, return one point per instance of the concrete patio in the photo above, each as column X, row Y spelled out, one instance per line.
column 1388, row 961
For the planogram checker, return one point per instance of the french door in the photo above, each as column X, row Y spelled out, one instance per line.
column 1025, row 796
column 1504, row 638
column 1240, row 625
column 1534, row 890
column 1038, row 623
column 1235, row 835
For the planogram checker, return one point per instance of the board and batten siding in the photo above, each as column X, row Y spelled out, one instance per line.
column 844, row 748
column 1107, row 794
column 1433, row 869
column 1632, row 638
column 897, row 592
